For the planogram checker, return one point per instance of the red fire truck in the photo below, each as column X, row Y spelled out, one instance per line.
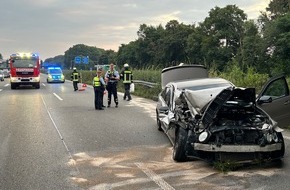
column 24, row 70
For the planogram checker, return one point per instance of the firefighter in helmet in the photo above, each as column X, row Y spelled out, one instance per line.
column 75, row 77
column 127, row 77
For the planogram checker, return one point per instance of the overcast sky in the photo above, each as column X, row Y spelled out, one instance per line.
column 50, row 27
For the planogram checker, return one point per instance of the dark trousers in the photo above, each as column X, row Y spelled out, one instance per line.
column 112, row 89
column 102, row 95
column 98, row 97
column 75, row 85
column 127, row 91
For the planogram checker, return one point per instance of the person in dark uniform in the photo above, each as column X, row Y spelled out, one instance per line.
column 98, row 84
column 112, row 77
column 103, row 88
column 127, row 77
column 75, row 76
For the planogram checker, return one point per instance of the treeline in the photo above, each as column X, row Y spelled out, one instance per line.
column 224, row 38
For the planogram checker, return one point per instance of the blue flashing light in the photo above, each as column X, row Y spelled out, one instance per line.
column 53, row 68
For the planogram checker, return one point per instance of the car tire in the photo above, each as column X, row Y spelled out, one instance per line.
column 158, row 122
column 179, row 146
column 13, row 86
column 37, row 86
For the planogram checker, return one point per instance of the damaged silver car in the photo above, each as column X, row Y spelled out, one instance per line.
column 212, row 119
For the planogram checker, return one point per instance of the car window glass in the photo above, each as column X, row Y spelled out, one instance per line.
column 168, row 96
column 277, row 89
column 163, row 93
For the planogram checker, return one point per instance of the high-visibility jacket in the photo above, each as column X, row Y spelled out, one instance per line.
column 127, row 76
column 97, row 81
column 75, row 76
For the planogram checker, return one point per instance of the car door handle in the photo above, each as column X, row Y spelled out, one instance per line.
column 286, row 102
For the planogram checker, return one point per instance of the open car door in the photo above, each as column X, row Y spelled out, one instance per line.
column 275, row 100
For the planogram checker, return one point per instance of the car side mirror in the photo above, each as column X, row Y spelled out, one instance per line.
column 264, row 99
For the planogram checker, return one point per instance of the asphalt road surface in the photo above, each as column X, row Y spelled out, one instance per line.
column 53, row 138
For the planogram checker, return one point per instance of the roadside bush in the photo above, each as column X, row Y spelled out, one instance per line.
column 248, row 79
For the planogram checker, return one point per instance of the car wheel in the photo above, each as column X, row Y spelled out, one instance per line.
column 13, row 86
column 37, row 86
column 179, row 146
column 158, row 122
column 279, row 153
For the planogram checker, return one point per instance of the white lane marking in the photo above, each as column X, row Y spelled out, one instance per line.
column 57, row 96
column 1, row 90
column 286, row 137
column 43, row 84
column 154, row 177
column 59, row 134
column 6, row 85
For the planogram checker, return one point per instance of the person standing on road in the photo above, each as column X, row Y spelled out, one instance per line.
column 103, row 88
column 127, row 77
column 112, row 77
column 75, row 76
column 98, row 84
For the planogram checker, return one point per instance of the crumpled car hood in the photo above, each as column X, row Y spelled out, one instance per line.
column 199, row 99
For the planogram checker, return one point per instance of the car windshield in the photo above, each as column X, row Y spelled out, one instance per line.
column 54, row 71
column 24, row 63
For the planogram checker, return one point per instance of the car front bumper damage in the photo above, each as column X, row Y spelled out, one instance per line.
column 236, row 148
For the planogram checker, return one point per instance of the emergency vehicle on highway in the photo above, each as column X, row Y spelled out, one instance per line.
column 24, row 70
column 54, row 74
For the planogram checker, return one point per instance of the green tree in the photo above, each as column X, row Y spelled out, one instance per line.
column 223, row 34
column 194, row 46
column 278, row 8
column 150, row 45
column 280, row 47
column 175, row 42
column 251, row 45
column 96, row 56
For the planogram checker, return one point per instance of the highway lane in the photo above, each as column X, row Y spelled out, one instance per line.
column 31, row 154
column 64, row 143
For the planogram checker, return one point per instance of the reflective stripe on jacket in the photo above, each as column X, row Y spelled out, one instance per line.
column 127, row 76
column 75, row 76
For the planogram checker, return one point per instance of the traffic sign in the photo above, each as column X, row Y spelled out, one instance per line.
column 78, row 60
column 85, row 60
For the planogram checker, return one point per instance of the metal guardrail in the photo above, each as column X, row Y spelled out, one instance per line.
column 145, row 83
